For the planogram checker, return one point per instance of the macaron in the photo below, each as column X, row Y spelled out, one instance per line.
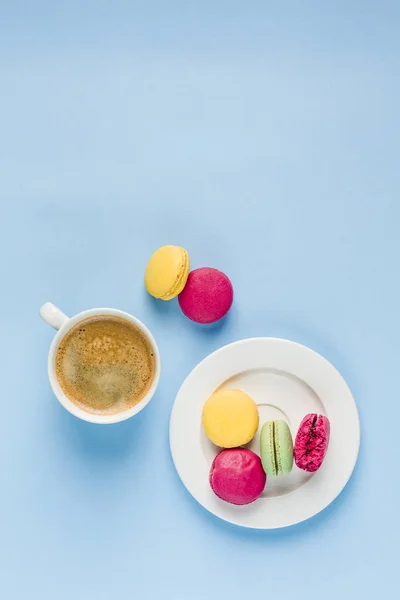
column 312, row 442
column 167, row 272
column 276, row 444
column 237, row 476
column 207, row 296
column 230, row 418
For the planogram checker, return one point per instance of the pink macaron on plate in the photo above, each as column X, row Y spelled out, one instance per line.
column 287, row 381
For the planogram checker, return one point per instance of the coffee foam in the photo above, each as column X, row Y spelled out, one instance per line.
column 105, row 364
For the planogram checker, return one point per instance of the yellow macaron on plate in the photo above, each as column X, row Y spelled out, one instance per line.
column 230, row 418
column 167, row 272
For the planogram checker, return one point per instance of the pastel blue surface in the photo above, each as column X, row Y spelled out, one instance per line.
column 263, row 137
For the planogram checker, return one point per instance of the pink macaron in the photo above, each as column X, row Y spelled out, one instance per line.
column 207, row 296
column 312, row 441
column 237, row 476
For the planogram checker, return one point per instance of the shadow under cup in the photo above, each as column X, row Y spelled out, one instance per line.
column 100, row 344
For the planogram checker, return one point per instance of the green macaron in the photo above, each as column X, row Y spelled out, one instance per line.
column 276, row 448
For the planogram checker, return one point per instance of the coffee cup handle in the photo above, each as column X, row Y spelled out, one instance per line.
column 53, row 315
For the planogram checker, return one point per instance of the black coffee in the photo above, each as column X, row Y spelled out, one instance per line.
column 105, row 364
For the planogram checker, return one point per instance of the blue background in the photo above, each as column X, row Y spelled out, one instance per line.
column 264, row 137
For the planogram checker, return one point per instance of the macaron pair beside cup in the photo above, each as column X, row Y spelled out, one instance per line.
column 237, row 474
column 205, row 295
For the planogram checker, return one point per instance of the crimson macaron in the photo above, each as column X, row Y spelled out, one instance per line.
column 237, row 476
column 311, row 442
column 207, row 296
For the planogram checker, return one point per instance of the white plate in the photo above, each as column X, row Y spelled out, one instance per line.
column 287, row 380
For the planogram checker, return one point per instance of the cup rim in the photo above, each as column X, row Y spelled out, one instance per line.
column 66, row 402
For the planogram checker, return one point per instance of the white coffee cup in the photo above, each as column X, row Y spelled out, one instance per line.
column 57, row 319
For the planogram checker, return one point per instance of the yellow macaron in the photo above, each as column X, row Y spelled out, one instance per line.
column 167, row 272
column 230, row 418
